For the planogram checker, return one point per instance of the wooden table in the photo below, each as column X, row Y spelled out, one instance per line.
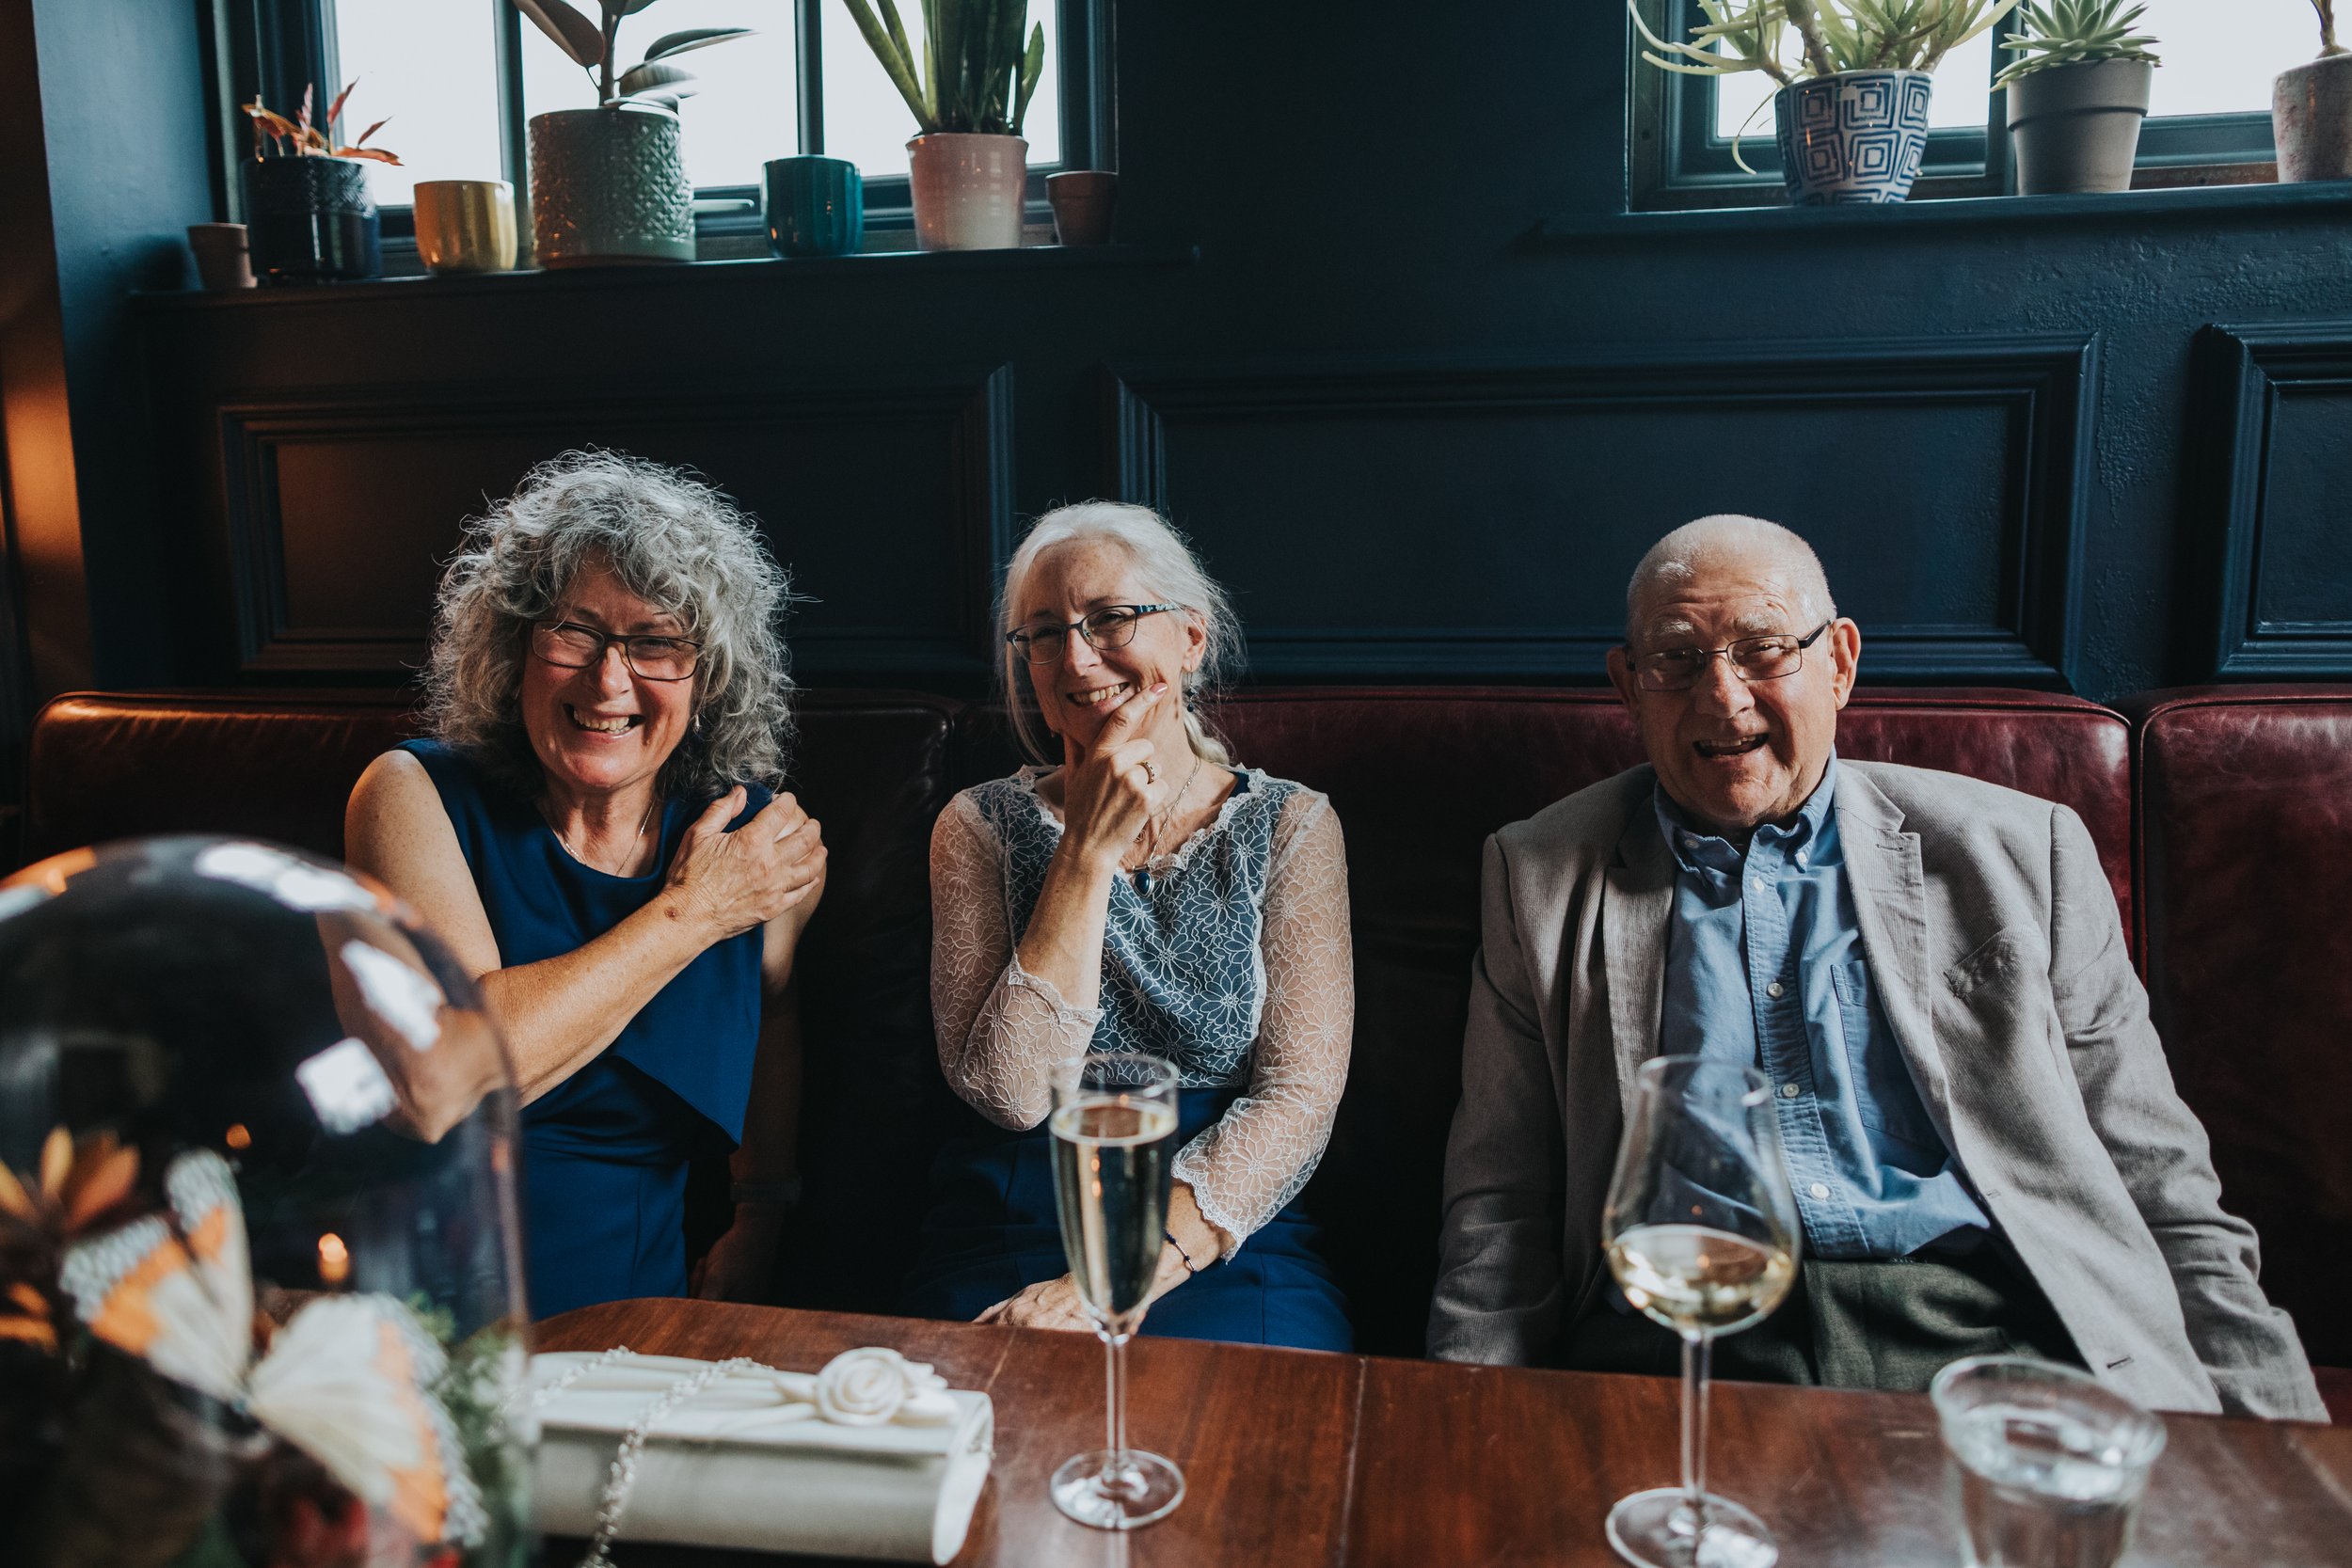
column 1300, row 1457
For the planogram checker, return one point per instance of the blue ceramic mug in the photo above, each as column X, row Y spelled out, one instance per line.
column 815, row 206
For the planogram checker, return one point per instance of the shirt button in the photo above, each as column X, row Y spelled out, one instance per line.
column 1819, row 1189
column 1758, row 886
column 1788, row 1091
column 1774, row 989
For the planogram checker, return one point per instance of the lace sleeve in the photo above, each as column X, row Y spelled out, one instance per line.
column 1259, row 1154
column 1002, row 1030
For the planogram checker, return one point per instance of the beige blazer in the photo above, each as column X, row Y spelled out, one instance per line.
column 1992, row 937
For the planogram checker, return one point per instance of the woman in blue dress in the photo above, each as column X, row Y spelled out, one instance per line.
column 592, row 833
column 1147, row 895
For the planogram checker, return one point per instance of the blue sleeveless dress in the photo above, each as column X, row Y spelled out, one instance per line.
column 605, row 1151
column 1180, row 956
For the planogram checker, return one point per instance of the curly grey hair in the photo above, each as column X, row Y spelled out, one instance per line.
column 1165, row 569
column 673, row 542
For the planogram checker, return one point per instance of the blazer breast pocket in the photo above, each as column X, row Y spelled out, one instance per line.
column 2001, row 1005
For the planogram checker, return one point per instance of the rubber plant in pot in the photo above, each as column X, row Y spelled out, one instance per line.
column 2077, row 92
column 308, row 214
column 968, row 167
column 1854, row 76
column 2311, row 110
column 609, row 184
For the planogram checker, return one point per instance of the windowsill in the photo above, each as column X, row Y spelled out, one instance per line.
column 2193, row 203
column 661, row 274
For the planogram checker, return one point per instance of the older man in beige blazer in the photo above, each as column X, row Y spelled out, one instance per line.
column 2051, row 1172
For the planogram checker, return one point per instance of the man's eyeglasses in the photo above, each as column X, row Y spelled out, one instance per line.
column 1752, row 658
column 573, row 646
column 1111, row 626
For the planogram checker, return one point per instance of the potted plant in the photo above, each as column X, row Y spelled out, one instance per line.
column 2077, row 92
column 1852, row 111
column 308, row 214
column 968, row 167
column 609, row 184
column 2311, row 110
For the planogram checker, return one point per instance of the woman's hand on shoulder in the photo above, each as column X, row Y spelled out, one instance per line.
column 733, row 881
column 1107, row 789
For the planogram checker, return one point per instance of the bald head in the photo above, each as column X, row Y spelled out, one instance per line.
column 1745, row 546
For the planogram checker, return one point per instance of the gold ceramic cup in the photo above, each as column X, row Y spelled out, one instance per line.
column 465, row 225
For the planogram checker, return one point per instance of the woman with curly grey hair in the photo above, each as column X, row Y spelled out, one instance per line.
column 592, row 830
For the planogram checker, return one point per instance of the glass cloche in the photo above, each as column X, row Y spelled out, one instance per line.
column 261, row 1283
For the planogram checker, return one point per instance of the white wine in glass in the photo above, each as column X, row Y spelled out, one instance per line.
column 1701, row 1232
column 1114, row 1132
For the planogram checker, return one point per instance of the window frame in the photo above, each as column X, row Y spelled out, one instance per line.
column 1677, row 160
column 276, row 47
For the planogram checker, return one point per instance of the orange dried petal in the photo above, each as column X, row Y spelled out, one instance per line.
column 57, row 1162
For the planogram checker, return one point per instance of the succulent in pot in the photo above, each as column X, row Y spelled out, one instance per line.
column 609, row 184
column 2311, row 110
column 968, row 166
column 1854, row 76
column 309, row 217
column 2077, row 93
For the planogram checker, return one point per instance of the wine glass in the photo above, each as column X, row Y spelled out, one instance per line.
column 1701, row 1232
column 1114, row 1132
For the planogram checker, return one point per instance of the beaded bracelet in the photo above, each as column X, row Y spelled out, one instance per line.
column 1190, row 1267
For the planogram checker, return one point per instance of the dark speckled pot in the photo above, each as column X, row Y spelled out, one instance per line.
column 310, row 220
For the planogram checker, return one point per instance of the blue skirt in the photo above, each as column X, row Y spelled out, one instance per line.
column 604, row 1188
column 991, row 1231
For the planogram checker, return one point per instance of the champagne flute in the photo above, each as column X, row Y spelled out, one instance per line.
column 1114, row 1132
column 1701, row 1232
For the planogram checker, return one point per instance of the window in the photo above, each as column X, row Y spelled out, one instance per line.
column 2209, row 116
column 457, row 80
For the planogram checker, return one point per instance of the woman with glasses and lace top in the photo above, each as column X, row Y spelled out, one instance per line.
column 593, row 833
column 1145, row 894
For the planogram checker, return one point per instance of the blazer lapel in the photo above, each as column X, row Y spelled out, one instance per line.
column 1891, row 903
column 1633, row 922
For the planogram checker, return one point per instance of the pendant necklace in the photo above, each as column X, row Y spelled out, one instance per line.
column 1158, row 826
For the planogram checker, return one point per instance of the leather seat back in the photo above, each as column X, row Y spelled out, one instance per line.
column 2244, row 815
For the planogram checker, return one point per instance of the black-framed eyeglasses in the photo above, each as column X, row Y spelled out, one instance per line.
column 1752, row 658
column 1111, row 626
column 572, row 646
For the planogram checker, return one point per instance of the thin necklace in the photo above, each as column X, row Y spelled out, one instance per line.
column 1159, row 824
column 633, row 843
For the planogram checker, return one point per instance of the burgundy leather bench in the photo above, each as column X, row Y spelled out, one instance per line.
column 2243, row 844
column 1419, row 777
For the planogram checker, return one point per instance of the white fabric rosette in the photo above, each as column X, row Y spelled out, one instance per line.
column 872, row 1457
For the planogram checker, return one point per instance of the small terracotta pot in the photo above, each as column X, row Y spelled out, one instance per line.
column 968, row 190
column 2075, row 128
column 2311, row 113
column 1082, row 199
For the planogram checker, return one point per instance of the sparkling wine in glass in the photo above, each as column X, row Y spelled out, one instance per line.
column 1114, row 1131
column 1701, row 1233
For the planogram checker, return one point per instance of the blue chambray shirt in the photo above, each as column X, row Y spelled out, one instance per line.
column 1765, row 967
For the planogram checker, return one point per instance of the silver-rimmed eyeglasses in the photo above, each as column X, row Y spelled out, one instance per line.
column 573, row 646
column 1752, row 658
column 1111, row 626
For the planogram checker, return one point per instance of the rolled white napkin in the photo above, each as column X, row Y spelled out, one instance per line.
column 874, row 1457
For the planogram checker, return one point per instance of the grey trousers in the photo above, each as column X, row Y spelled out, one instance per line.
column 1888, row 1325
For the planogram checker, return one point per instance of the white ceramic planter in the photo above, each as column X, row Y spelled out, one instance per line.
column 967, row 190
column 1857, row 136
column 2310, row 112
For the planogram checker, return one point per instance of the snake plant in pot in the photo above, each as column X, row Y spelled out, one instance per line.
column 609, row 184
column 2311, row 110
column 2077, row 92
column 1854, row 76
column 968, row 166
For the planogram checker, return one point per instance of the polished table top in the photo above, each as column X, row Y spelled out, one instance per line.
column 1301, row 1457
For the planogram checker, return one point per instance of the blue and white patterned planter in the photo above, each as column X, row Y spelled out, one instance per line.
column 1857, row 136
